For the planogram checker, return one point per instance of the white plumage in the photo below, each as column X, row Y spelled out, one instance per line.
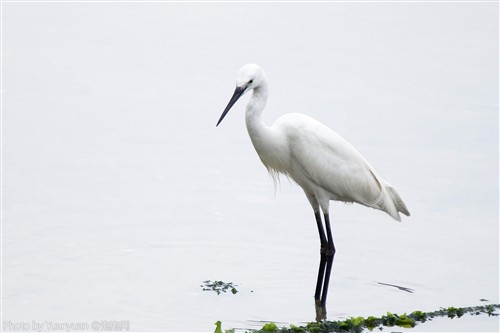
column 322, row 162
column 319, row 160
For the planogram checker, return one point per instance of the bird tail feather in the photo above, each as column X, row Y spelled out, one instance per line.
column 389, row 199
column 390, row 202
column 398, row 202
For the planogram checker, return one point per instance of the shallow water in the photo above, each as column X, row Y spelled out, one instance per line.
column 120, row 197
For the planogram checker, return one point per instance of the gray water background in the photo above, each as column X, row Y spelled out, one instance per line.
column 119, row 195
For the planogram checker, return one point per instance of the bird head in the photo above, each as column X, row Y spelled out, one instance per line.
column 250, row 77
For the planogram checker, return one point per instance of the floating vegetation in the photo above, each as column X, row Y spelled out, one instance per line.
column 218, row 328
column 219, row 286
column 358, row 324
column 269, row 327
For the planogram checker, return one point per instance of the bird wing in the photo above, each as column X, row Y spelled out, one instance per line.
column 328, row 161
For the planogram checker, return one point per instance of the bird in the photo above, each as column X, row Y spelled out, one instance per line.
column 324, row 164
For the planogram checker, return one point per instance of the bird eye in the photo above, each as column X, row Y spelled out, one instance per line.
column 251, row 81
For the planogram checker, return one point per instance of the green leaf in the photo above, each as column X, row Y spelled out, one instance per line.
column 270, row 327
column 218, row 328
column 419, row 316
column 404, row 321
column 358, row 321
column 313, row 327
column 371, row 322
column 455, row 312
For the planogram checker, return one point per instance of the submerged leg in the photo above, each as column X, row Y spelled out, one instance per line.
column 320, row 311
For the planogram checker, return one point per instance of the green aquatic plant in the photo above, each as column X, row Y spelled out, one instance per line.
column 419, row 316
column 490, row 309
column 358, row 324
column 218, row 328
column 219, row 286
column 269, row 327
column 455, row 312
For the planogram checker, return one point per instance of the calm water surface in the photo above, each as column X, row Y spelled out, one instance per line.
column 120, row 196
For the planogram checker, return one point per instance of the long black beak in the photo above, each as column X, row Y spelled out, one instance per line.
column 238, row 92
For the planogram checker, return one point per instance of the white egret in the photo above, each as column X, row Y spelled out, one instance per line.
column 319, row 160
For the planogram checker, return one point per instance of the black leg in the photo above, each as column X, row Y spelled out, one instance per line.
column 322, row 263
column 321, row 274
column 321, row 231
column 331, row 247
column 328, row 270
column 330, row 253
column 325, row 265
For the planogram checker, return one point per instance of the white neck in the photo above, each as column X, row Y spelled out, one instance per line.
column 253, row 114
column 268, row 142
column 261, row 134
